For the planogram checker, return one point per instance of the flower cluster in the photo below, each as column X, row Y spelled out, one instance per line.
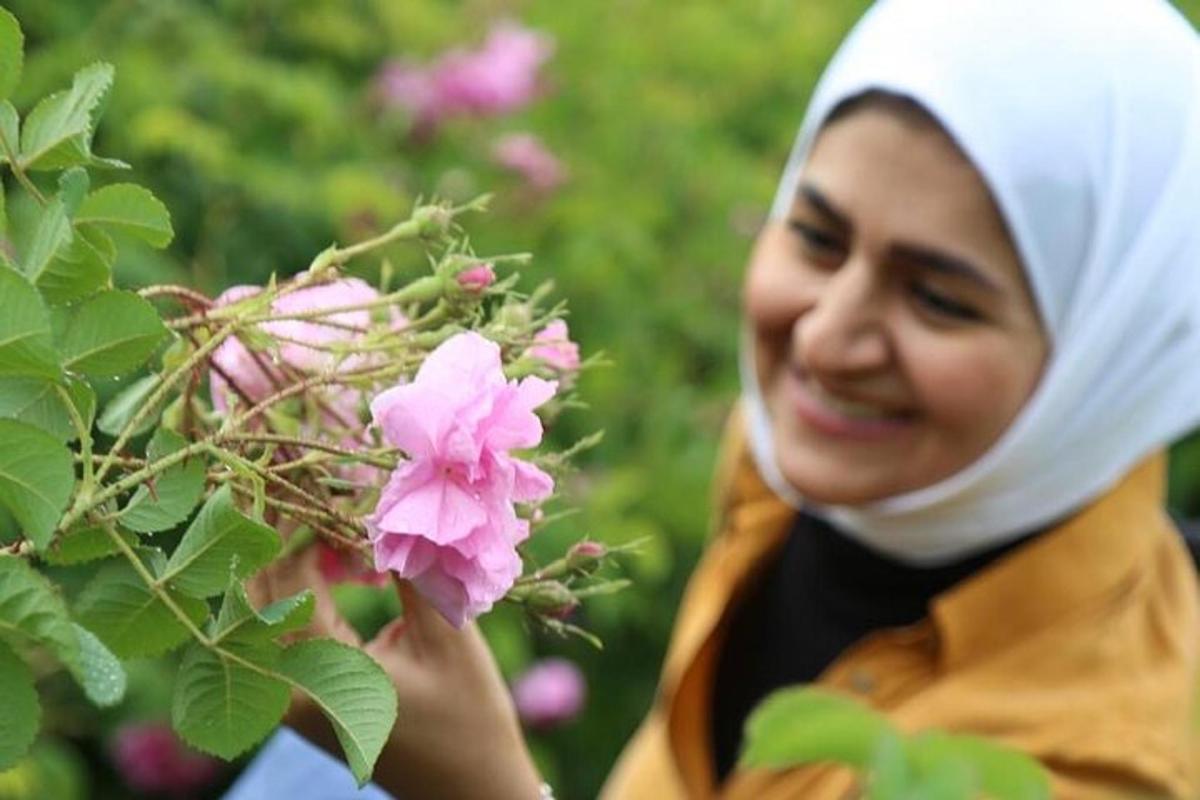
column 446, row 519
column 498, row 77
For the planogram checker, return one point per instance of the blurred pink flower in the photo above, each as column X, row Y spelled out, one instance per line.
column 524, row 154
column 550, row 693
column 338, row 566
column 553, row 346
column 445, row 519
column 498, row 77
column 305, row 347
column 477, row 278
column 151, row 758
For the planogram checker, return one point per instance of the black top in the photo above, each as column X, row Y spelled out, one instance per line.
column 821, row 594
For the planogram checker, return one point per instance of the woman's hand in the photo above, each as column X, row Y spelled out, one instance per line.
column 457, row 734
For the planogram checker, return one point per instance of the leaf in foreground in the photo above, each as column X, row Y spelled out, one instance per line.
column 133, row 621
column 353, row 692
column 37, row 475
column 110, row 334
column 220, row 539
column 22, row 714
column 26, row 348
column 176, row 490
column 223, row 706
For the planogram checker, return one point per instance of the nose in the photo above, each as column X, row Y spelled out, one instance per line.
column 844, row 331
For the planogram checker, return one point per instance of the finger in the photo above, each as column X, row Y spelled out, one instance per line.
column 427, row 626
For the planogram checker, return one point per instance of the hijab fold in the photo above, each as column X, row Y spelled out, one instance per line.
column 1083, row 117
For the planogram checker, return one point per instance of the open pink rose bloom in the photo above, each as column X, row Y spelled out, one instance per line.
column 550, row 693
column 446, row 519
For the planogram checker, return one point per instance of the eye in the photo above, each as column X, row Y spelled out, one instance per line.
column 941, row 304
column 815, row 241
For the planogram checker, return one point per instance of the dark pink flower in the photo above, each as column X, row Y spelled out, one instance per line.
column 524, row 154
column 445, row 519
column 151, row 758
column 553, row 346
column 550, row 693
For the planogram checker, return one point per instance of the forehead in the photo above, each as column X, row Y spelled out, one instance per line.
column 902, row 178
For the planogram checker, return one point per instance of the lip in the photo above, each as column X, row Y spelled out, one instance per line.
column 812, row 411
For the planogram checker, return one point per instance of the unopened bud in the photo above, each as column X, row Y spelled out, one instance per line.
column 477, row 278
column 585, row 556
column 552, row 599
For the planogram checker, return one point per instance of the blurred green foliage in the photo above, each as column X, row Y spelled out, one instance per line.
column 255, row 121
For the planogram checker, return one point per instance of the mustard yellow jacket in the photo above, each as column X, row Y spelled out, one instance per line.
column 1081, row 648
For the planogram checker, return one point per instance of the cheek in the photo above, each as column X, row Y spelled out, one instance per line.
column 972, row 393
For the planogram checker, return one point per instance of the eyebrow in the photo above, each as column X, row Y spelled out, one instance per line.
column 912, row 254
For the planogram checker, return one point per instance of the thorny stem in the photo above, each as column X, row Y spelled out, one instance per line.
column 19, row 171
column 181, row 293
column 310, row 444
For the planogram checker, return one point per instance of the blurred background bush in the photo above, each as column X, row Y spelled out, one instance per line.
column 637, row 173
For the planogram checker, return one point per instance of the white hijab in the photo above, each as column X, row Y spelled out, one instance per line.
column 1083, row 116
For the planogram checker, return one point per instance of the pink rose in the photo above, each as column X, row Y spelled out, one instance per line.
column 524, row 154
column 553, row 346
column 550, row 693
column 151, row 758
column 445, row 518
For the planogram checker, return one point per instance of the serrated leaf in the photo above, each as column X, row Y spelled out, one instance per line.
column 12, row 53
column 32, row 611
column 38, row 402
column 998, row 772
column 176, row 490
column 110, row 334
column 51, row 233
column 22, row 713
column 221, row 705
column 353, row 692
column 803, row 725
column 81, row 267
column 128, row 402
column 131, row 208
column 73, row 186
column 220, row 539
column 82, row 545
column 37, row 475
column 57, row 133
column 134, row 622
column 239, row 620
column 26, row 347
column 97, row 670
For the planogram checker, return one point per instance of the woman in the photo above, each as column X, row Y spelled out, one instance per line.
column 973, row 326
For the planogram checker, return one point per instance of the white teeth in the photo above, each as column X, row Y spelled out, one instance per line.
column 847, row 408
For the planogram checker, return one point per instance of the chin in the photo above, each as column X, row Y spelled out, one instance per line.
column 833, row 483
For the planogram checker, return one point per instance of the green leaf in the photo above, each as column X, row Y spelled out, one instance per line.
column 52, row 232
column 176, row 490
column 131, row 208
column 12, row 53
column 239, row 620
column 73, row 185
column 353, row 692
column 58, row 132
column 220, row 539
column 802, row 725
column 228, row 699
column 26, row 347
column 38, row 402
column 37, row 475
column 22, row 713
column 77, row 270
column 1000, row 773
column 133, row 621
column 97, row 670
column 128, row 402
column 110, row 334
column 81, row 545
column 32, row 611
column 10, row 123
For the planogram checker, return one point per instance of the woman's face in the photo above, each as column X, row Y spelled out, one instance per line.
column 896, row 336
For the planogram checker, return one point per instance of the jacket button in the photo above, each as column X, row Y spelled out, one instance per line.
column 862, row 681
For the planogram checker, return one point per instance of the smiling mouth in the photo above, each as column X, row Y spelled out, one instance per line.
column 829, row 414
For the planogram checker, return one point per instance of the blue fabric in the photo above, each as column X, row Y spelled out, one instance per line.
column 289, row 766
